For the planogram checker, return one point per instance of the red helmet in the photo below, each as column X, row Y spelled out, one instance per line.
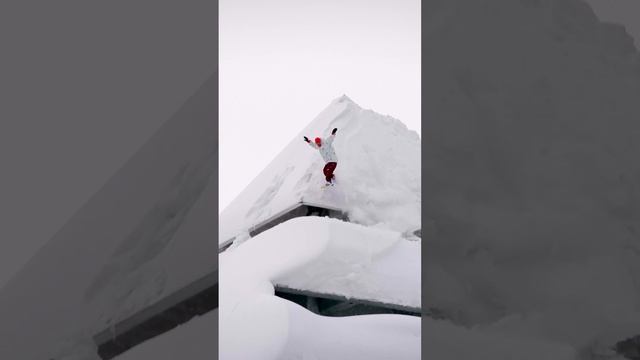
column 318, row 141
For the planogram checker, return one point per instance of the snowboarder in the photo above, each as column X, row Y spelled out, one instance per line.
column 327, row 153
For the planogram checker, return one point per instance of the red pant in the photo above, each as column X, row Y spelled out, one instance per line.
column 328, row 170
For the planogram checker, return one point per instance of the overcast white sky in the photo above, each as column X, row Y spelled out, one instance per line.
column 283, row 61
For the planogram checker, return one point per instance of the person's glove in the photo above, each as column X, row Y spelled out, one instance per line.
column 306, row 139
column 333, row 132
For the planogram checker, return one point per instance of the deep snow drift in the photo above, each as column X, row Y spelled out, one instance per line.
column 378, row 174
column 254, row 324
column 531, row 134
column 363, row 263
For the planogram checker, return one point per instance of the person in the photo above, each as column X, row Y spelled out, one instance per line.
column 327, row 153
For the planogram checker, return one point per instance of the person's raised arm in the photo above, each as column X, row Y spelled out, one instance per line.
column 311, row 143
column 332, row 136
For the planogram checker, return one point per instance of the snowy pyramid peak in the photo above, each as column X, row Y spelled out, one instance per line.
column 343, row 99
column 377, row 177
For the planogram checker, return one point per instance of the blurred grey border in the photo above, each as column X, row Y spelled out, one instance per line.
column 423, row 155
column 67, row 67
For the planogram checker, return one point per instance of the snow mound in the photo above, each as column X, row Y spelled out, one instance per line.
column 258, row 325
column 378, row 174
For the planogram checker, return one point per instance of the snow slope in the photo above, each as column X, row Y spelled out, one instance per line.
column 125, row 248
column 378, row 173
column 531, row 134
column 257, row 325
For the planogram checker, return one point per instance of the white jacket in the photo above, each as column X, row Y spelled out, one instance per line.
column 326, row 149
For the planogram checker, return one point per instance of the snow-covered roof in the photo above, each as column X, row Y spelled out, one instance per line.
column 362, row 263
column 328, row 255
column 378, row 173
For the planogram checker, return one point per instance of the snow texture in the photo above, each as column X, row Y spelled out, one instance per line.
column 532, row 173
column 363, row 263
column 377, row 177
column 257, row 325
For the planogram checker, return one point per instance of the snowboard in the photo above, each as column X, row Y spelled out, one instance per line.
column 326, row 185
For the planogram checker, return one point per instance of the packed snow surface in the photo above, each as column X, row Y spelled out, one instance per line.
column 378, row 174
column 363, row 263
column 257, row 325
